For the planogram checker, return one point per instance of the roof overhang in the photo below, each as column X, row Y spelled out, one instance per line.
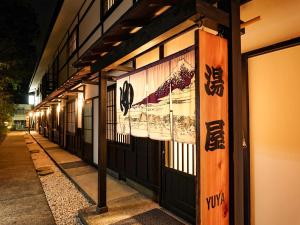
column 66, row 87
column 59, row 29
column 148, row 23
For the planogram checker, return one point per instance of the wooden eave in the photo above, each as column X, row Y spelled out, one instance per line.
column 142, row 14
column 76, row 79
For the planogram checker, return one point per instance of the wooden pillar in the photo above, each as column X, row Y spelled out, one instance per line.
column 235, row 109
column 233, row 34
column 102, row 147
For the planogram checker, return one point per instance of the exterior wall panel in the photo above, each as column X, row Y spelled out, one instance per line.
column 117, row 13
column 91, row 91
column 91, row 40
column 89, row 22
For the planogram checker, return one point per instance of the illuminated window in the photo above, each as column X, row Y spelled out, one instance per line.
column 31, row 99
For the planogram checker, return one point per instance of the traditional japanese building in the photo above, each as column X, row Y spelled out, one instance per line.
column 164, row 94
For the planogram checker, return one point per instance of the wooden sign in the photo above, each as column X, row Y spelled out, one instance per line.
column 214, row 142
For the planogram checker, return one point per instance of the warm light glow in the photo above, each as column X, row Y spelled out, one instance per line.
column 48, row 111
column 42, row 113
column 58, row 108
column 37, row 114
column 30, row 114
column 58, row 111
column 162, row 10
column 31, row 99
column 117, row 43
column 103, row 54
column 134, row 30
column 80, row 101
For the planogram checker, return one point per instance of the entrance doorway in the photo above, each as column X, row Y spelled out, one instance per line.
column 274, row 158
column 179, row 179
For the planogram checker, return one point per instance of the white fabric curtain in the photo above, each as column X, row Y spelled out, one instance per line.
column 159, row 102
column 183, row 98
column 138, row 110
column 123, row 126
column 158, row 107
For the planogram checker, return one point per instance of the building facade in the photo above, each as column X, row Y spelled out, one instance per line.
column 120, row 85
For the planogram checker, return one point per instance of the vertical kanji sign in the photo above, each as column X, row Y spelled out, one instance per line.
column 214, row 142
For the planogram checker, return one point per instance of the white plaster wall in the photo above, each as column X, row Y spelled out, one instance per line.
column 89, row 22
column 147, row 58
column 274, row 137
column 179, row 43
column 91, row 91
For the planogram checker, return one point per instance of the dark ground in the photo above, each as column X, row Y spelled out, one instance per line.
column 22, row 200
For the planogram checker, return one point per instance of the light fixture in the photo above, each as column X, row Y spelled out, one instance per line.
column 134, row 30
column 162, row 10
column 117, row 43
column 31, row 99
column 103, row 54
column 58, row 108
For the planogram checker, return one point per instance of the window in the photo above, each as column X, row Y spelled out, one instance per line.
column 110, row 113
column 88, row 122
column 71, row 117
column 181, row 156
column 73, row 42
column 111, row 120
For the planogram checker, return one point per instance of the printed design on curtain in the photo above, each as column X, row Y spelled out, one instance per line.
column 138, row 110
column 183, row 98
column 158, row 83
column 125, row 96
column 163, row 101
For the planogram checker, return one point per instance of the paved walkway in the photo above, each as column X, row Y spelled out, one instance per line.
column 125, row 204
column 81, row 173
column 22, row 200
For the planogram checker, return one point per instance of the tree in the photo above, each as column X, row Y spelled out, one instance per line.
column 18, row 33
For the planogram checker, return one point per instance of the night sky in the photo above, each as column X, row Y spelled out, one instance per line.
column 44, row 10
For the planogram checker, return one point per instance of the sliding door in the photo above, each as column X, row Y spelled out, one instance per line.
column 274, row 108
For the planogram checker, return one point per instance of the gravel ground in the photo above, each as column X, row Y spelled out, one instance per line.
column 63, row 197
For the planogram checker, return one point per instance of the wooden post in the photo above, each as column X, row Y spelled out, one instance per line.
column 102, row 147
column 235, row 110
column 236, row 153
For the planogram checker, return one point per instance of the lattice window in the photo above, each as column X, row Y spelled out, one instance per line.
column 88, row 121
column 71, row 117
column 181, row 156
column 111, row 121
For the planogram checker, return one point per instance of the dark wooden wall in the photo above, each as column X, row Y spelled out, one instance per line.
column 138, row 161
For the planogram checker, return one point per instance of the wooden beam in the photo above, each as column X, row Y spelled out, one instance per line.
column 242, row 2
column 74, row 91
column 102, row 148
column 249, row 22
column 90, row 82
column 123, row 68
column 116, row 38
column 157, row 27
column 208, row 11
column 134, row 23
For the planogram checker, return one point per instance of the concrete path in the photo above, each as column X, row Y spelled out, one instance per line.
column 125, row 204
column 22, row 200
column 82, row 174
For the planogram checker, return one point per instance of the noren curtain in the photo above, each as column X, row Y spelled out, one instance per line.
column 159, row 102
